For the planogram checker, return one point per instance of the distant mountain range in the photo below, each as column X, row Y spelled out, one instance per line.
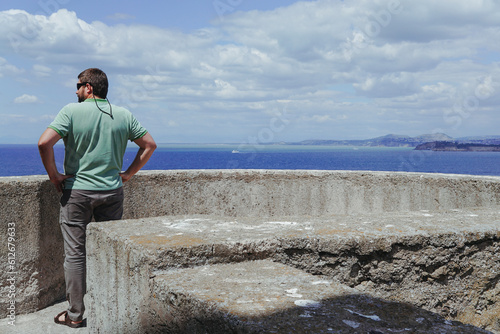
column 393, row 140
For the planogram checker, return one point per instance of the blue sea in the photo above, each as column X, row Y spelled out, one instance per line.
column 18, row 160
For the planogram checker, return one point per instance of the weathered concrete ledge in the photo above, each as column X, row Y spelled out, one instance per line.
column 31, row 204
column 205, row 274
column 268, row 193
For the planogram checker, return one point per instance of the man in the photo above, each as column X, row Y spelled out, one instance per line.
column 95, row 135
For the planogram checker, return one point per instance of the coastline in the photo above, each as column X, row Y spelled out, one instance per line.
column 458, row 147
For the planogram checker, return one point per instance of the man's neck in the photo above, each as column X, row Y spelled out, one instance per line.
column 92, row 96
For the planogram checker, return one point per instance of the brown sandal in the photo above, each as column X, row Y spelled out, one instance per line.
column 67, row 321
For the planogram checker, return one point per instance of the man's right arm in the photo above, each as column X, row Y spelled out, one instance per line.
column 46, row 147
column 147, row 146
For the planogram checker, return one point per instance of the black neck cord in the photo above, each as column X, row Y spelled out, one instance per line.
column 110, row 113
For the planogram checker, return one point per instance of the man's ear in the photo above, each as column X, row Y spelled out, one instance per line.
column 89, row 89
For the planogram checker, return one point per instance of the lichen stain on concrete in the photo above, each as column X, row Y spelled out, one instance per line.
column 327, row 231
column 175, row 240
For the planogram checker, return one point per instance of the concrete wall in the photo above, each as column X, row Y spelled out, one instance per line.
column 30, row 204
column 267, row 193
column 28, row 215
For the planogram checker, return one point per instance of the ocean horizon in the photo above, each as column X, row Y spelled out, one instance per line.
column 24, row 159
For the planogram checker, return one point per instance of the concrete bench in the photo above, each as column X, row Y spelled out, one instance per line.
column 206, row 274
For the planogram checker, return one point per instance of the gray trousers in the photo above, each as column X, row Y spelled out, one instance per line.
column 78, row 207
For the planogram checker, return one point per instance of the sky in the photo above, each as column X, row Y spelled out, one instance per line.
column 257, row 71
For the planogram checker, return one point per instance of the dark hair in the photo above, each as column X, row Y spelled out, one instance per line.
column 97, row 79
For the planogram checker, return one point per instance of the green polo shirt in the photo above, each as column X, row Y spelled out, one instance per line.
column 95, row 143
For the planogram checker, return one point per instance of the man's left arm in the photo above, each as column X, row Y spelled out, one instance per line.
column 147, row 146
column 46, row 147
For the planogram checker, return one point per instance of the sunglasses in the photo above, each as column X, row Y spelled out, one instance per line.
column 80, row 84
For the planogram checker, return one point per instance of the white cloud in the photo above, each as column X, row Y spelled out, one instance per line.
column 41, row 70
column 25, row 98
column 401, row 61
column 322, row 118
column 8, row 69
column 389, row 85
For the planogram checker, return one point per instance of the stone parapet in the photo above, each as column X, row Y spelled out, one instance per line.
column 268, row 193
column 30, row 204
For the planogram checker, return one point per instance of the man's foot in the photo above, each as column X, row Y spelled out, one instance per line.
column 63, row 319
